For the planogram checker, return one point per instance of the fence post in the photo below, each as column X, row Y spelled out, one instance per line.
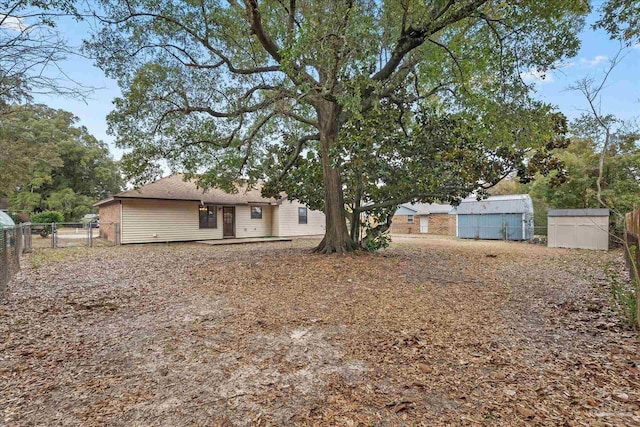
column 116, row 233
column 18, row 245
column 53, row 235
column 4, row 273
column 27, row 237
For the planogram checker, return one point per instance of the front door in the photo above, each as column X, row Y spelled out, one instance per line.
column 228, row 221
column 424, row 224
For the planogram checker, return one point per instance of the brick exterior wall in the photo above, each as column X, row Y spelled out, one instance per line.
column 400, row 224
column 109, row 213
column 441, row 224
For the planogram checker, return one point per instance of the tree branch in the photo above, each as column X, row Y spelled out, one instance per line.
column 299, row 146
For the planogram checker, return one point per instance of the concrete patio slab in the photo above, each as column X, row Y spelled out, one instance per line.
column 245, row 240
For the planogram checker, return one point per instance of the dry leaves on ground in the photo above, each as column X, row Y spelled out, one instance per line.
column 427, row 332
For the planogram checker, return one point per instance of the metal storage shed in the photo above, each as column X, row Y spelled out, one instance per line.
column 578, row 228
column 507, row 217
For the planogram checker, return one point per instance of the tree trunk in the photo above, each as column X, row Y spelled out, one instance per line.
column 355, row 215
column 336, row 237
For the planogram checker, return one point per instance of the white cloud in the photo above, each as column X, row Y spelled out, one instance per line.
column 598, row 59
column 567, row 64
column 538, row 77
column 13, row 23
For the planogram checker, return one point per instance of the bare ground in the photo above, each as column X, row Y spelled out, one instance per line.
column 427, row 332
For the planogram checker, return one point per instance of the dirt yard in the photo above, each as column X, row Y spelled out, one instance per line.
column 427, row 332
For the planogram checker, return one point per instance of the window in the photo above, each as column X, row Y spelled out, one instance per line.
column 409, row 218
column 208, row 217
column 256, row 212
column 302, row 215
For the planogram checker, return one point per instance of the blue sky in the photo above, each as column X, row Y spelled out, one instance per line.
column 621, row 97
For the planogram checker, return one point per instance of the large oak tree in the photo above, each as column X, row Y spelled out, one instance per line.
column 216, row 87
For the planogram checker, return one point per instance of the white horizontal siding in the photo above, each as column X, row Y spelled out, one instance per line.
column 288, row 220
column 145, row 221
column 248, row 227
column 275, row 220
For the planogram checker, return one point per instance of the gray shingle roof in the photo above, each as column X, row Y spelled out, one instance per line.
column 174, row 187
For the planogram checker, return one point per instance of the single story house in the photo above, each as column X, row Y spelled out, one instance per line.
column 425, row 218
column 172, row 209
column 508, row 217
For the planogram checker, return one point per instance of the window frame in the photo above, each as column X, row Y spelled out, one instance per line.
column 209, row 224
column 410, row 219
column 306, row 215
column 251, row 208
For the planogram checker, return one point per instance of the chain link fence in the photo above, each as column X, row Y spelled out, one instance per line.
column 14, row 241
column 75, row 234
column 536, row 234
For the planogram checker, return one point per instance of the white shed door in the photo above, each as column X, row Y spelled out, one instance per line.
column 424, row 224
column 582, row 232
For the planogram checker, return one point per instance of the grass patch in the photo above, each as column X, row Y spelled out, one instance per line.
column 41, row 258
column 623, row 297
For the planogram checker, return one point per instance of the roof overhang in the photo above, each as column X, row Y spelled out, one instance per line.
column 202, row 202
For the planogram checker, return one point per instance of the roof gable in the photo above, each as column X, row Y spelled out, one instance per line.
column 424, row 208
column 174, row 187
column 405, row 210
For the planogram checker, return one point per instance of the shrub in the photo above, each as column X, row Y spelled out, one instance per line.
column 14, row 217
column 373, row 241
column 47, row 217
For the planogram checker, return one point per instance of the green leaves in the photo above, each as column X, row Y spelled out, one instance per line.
column 621, row 19
column 427, row 97
column 46, row 161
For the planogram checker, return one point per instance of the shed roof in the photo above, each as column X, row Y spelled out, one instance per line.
column 513, row 203
column 174, row 187
column 424, row 208
column 578, row 212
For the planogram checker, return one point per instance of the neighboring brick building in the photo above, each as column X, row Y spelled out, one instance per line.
column 424, row 218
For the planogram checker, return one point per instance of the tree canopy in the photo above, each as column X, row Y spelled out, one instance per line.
column 32, row 50
column 620, row 184
column 294, row 92
column 621, row 19
column 46, row 161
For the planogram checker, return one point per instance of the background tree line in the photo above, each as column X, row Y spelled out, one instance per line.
column 48, row 162
column 577, row 188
